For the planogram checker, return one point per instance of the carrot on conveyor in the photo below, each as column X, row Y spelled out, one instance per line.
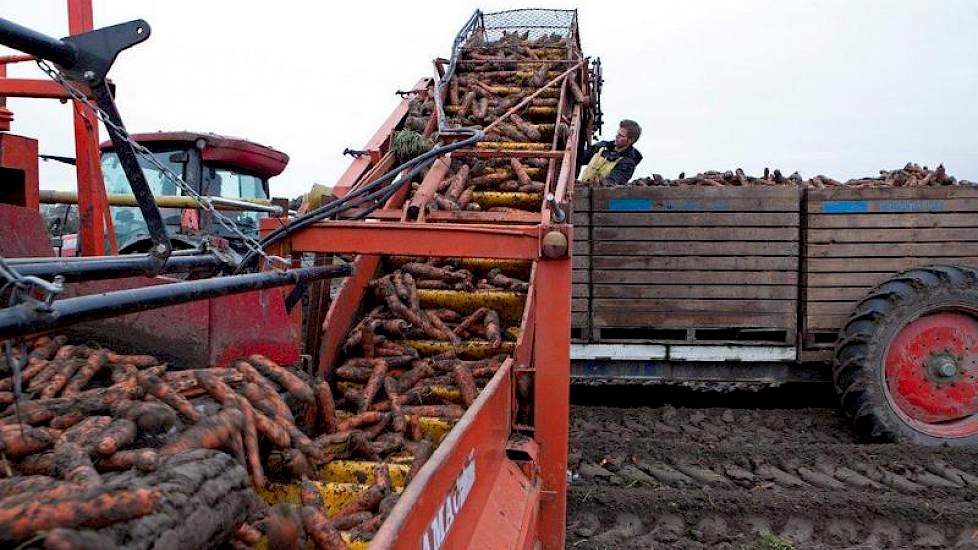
column 26, row 519
column 210, row 433
column 284, row 528
column 470, row 320
column 443, row 328
column 326, row 406
column 349, row 521
column 320, row 530
column 92, row 366
column 371, row 432
column 87, row 432
column 366, row 501
column 152, row 417
column 17, row 440
column 250, row 435
column 285, row 378
column 422, row 452
column 459, row 184
column 302, row 442
column 145, row 460
column 72, row 462
column 398, row 422
column 356, row 370
column 162, row 391
column 363, row 419
column 37, row 464
column 411, row 378
column 268, row 393
column 117, row 435
column 494, row 331
column 248, row 534
column 466, row 384
column 138, row 361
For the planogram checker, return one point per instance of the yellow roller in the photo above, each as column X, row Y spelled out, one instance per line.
column 510, row 90
column 528, row 74
column 472, row 349
column 335, row 495
column 513, row 268
column 508, row 304
column 434, row 428
column 514, row 145
column 351, row 543
column 531, row 171
column 541, row 111
column 361, row 471
column 447, row 392
column 524, row 201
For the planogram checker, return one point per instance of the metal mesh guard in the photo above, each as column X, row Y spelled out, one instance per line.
column 538, row 22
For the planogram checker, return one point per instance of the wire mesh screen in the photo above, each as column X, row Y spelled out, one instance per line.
column 535, row 22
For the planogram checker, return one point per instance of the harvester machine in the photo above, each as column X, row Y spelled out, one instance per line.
column 418, row 400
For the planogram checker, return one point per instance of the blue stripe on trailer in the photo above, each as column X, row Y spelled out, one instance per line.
column 912, row 206
column 845, row 207
column 630, row 205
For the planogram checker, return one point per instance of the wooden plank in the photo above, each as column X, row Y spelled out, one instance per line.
column 580, row 291
column 882, row 265
column 580, row 248
column 708, row 233
column 582, row 233
column 694, row 248
column 743, row 292
column 694, row 219
column 697, row 263
column 579, row 319
column 698, row 277
column 686, row 319
column 816, row 309
column 889, row 193
column 580, row 276
column 892, row 235
column 826, row 322
column 871, row 252
column 580, row 262
column 579, row 219
column 727, row 306
column 726, row 192
column 578, row 304
column 837, row 293
column 902, row 221
column 813, row 280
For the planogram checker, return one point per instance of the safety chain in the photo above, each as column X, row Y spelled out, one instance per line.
column 24, row 289
column 147, row 155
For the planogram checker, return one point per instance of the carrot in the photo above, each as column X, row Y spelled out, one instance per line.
column 410, row 378
column 373, row 431
column 354, row 371
column 466, row 104
column 453, row 93
column 443, row 329
column 382, row 476
column 91, row 367
column 466, row 384
column 459, row 183
column 47, row 350
column 434, row 284
column 302, row 442
column 150, row 416
column 254, row 394
column 309, row 494
column 216, row 387
column 269, row 394
column 162, row 391
column 292, row 383
column 71, row 461
column 120, row 433
column 26, row 484
column 373, row 384
column 87, row 432
column 327, row 408
column 429, row 271
column 394, row 327
column 481, row 108
column 366, row 501
column 34, row 367
column 236, row 444
column 530, row 130
column 387, row 443
column 364, row 419
column 369, row 341
column 470, row 320
column 398, row 423
column 297, row 463
column 319, row 529
column 485, row 372
column 248, row 534
column 422, row 452
column 367, row 529
column 388, row 504
column 452, row 412
column 250, row 435
column 349, row 521
column 145, row 460
column 24, row 520
column 493, row 329
column 210, row 433
column 65, row 352
column 271, row 430
column 124, row 372
column 284, row 528
column 399, row 286
column 138, row 361
column 40, row 379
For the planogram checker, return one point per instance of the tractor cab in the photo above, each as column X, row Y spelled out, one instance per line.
column 210, row 164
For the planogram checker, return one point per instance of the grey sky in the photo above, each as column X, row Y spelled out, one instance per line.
column 836, row 87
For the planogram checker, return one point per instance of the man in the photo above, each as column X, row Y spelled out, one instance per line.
column 613, row 162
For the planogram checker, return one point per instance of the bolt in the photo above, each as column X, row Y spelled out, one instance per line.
column 89, row 75
column 947, row 369
column 161, row 249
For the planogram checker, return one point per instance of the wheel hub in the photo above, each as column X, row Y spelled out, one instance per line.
column 932, row 373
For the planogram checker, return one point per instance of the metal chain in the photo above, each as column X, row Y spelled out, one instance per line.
column 147, row 155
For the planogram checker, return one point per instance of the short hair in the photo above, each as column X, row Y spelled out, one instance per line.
column 632, row 127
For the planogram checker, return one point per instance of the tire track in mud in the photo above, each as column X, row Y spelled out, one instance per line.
column 760, row 480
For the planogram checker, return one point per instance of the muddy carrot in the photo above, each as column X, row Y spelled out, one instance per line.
column 297, row 464
column 269, row 394
column 470, row 320
column 360, row 420
column 145, row 460
column 71, row 461
column 459, row 184
column 248, row 534
column 466, row 384
column 399, row 286
column 493, row 329
column 367, row 500
column 23, row 440
column 319, row 529
column 466, row 104
column 410, row 378
column 28, row 518
column 530, row 130
column 150, row 416
column 443, row 328
column 284, row 528
column 422, row 452
column 138, row 361
column 349, row 521
column 398, row 422
column 302, row 442
column 120, row 433
column 355, row 370
column 37, row 464
column 371, row 432
column 87, row 432
column 41, row 378
column 326, row 406
column 92, row 366
column 250, row 436
column 236, row 444
column 286, row 378
column 373, row 384
column 210, row 433
column 216, row 387
column 162, row 391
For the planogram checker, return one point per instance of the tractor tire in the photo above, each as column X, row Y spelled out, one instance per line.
column 905, row 366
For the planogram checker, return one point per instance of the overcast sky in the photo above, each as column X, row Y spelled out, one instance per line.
column 836, row 87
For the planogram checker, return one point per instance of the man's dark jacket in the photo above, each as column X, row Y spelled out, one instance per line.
column 623, row 171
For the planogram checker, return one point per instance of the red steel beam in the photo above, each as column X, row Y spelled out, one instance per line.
column 411, row 239
column 32, row 87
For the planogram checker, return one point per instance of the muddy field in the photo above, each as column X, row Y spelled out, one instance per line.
column 742, row 478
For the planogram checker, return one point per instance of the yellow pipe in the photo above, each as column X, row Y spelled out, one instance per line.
column 163, row 201
column 470, row 350
column 508, row 304
column 510, row 90
column 362, row 471
column 513, row 145
column 489, row 199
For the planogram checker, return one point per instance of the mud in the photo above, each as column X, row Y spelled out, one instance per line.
column 776, row 479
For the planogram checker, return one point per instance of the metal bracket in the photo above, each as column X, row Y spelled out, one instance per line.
column 96, row 51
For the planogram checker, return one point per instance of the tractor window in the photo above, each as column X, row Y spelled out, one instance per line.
column 128, row 220
column 235, row 185
column 230, row 184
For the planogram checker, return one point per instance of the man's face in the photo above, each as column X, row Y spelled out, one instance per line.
column 622, row 140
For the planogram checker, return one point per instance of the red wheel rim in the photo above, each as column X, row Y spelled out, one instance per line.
column 931, row 374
